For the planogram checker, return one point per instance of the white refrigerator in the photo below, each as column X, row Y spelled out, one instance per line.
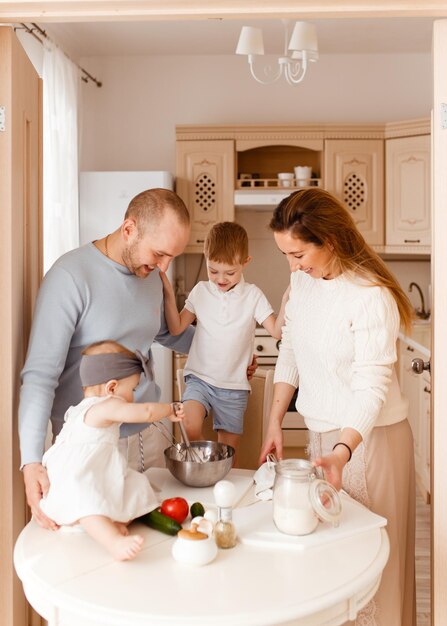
column 103, row 200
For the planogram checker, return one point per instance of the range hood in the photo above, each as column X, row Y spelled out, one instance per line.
column 260, row 199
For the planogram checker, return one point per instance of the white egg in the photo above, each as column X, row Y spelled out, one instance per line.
column 203, row 525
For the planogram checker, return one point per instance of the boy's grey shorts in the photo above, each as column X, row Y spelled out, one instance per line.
column 228, row 405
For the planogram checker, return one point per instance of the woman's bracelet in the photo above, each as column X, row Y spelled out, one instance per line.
column 340, row 443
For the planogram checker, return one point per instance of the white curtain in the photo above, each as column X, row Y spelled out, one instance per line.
column 60, row 154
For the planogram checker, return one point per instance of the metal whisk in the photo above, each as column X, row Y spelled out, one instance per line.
column 185, row 451
column 190, row 454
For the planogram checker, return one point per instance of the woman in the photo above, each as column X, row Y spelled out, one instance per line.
column 339, row 344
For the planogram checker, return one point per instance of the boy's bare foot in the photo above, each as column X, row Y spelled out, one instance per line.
column 122, row 528
column 126, row 548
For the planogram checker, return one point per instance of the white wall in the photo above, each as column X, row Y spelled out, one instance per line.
column 129, row 123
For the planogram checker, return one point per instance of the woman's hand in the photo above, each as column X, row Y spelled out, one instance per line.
column 332, row 466
column 273, row 443
column 36, row 487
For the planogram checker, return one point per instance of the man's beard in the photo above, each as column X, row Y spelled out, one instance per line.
column 128, row 256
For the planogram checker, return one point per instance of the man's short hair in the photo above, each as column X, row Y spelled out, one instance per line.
column 149, row 207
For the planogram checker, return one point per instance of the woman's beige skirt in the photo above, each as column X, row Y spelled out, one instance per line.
column 381, row 476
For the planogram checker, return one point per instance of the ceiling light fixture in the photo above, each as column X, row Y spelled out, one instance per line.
column 301, row 49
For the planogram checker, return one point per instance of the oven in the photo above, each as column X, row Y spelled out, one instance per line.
column 266, row 349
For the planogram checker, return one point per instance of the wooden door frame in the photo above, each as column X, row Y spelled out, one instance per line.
column 439, row 331
column 20, row 274
column 67, row 11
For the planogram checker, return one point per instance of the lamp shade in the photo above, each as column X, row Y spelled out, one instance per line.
column 304, row 37
column 250, row 41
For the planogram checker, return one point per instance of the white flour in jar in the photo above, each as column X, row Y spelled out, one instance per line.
column 296, row 521
column 292, row 510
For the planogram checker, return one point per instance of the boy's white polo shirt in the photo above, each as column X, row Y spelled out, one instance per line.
column 222, row 347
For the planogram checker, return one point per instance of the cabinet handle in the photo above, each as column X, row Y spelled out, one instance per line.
column 410, row 349
column 200, row 240
column 419, row 365
column 427, row 389
column 260, row 348
column 412, row 241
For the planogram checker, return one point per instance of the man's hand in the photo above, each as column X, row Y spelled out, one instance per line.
column 251, row 369
column 36, row 486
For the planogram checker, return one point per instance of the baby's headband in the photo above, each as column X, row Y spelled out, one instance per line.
column 96, row 369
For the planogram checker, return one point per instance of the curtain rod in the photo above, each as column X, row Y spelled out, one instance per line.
column 32, row 31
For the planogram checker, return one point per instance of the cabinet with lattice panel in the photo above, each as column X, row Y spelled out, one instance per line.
column 354, row 172
column 205, row 182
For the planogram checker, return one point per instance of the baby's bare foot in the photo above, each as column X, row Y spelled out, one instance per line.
column 126, row 548
column 122, row 528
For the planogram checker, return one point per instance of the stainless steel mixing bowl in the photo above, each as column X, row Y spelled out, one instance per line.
column 217, row 458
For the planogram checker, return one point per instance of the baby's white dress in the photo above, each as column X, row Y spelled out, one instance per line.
column 89, row 476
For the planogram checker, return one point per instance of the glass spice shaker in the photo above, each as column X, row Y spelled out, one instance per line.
column 224, row 529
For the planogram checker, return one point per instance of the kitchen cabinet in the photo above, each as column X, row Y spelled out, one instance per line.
column 417, row 389
column 220, row 166
column 259, row 163
column 257, row 154
column 353, row 171
column 408, row 191
column 205, row 182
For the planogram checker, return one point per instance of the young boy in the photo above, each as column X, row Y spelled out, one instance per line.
column 226, row 309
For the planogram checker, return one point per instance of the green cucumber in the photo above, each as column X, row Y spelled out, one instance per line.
column 197, row 510
column 158, row 521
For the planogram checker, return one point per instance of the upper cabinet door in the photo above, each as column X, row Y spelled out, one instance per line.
column 408, row 191
column 354, row 173
column 205, row 182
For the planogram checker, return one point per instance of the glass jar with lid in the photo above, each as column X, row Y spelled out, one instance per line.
column 301, row 499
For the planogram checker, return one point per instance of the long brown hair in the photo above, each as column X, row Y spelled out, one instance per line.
column 316, row 216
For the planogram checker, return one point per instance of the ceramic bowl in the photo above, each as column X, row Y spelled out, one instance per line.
column 194, row 552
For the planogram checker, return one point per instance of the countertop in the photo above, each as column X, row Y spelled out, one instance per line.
column 71, row 580
column 420, row 338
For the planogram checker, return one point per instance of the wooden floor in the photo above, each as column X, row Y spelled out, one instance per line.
column 422, row 562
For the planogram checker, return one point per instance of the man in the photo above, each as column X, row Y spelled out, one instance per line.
column 90, row 294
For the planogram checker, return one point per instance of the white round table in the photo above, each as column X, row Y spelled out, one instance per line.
column 72, row 581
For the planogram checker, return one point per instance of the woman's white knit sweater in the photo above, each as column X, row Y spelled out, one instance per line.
column 339, row 346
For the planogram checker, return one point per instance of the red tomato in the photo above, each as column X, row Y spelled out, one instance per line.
column 175, row 508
